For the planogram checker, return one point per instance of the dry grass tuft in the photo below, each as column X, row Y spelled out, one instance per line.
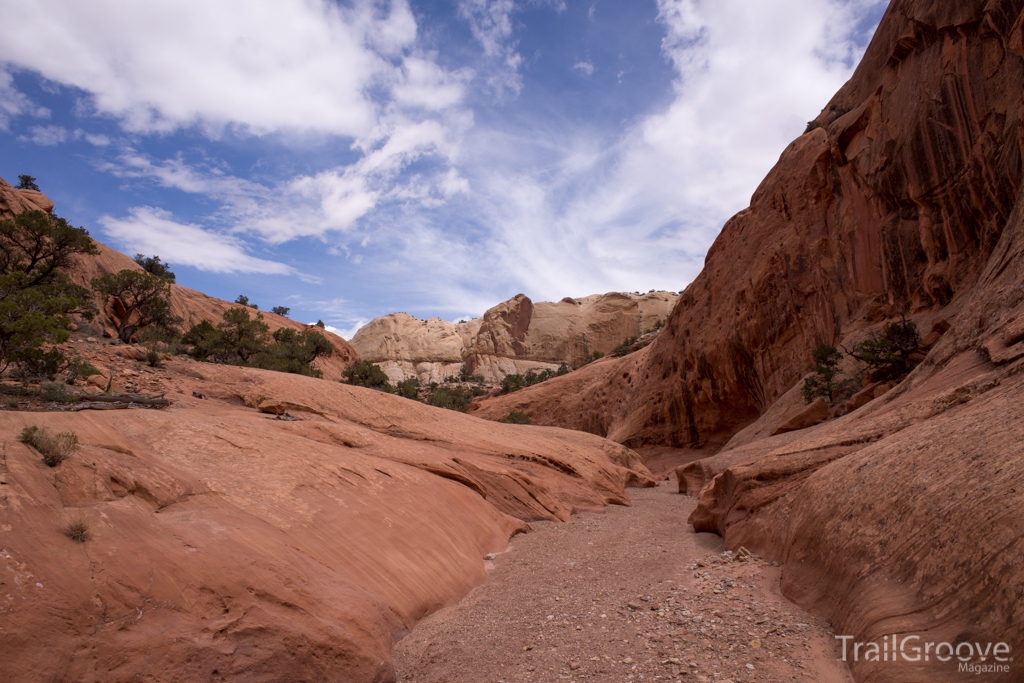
column 55, row 448
column 76, row 527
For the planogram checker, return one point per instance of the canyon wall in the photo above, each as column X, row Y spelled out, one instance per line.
column 893, row 200
column 515, row 336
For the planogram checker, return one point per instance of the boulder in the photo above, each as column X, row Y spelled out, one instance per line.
column 813, row 414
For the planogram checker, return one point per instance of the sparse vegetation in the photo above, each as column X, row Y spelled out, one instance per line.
column 466, row 375
column 812, row 125
column 888, row 355
column 55, row 448
column 320, row 324
column 515, row 382
column 281, row 310
column 516, row 417
column 143, row 298
column 625, row 348
column 154, row 266
column 76, row 527
column 36, row 297
column 587, row 360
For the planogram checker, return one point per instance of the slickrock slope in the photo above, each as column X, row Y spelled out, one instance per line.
column 896, row 200
column 513, row 337
column 227, row 544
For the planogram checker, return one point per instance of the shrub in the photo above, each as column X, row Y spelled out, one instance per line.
column 466, row 375
column 563, row 369
column 154, row 266
column 510, row 383
column 281, row 310
column 825, row 380
column 26, row 182
column 888, row 355
column 145, row 298
column 516, row 417
column 55, row 448
column 56, row 392
column 409, row 388
column 293, row 352
column 76, row 527
column 625, row 348
column 320, row 324
column 244, row 301
column 154, row 358
column 80, row 369
column 452, row 398
column 36, row 297
column 811, row 125
column 366, row 374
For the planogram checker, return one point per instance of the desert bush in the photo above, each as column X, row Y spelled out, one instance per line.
column 76, row 527
column 811, row 125
column 294, row 352
column 154, row 266
column 888, row 355
column 625, row 348
column 146, row 299
column 367, row 374
column 78, row 368
column 466, row 375
column 452, row 398
column 55, row 448
column 56, row 392
column 281, row 310
column 409, row 388
column 244, row 301
column 242, row 340
column 516, row 417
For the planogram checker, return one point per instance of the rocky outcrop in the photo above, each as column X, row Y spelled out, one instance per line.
column 14, row 201
column 894, row 201
column 515, row 336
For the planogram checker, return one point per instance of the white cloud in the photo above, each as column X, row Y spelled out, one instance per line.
column 153, row 231
column 14, row 103
column 48, row 135
column 585, row 67
column 568, row 217
column 97, row 140
column 267, row 66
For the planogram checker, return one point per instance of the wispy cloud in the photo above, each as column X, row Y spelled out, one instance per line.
column 153, row 231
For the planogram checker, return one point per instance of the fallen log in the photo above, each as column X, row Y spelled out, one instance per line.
column 151, row 401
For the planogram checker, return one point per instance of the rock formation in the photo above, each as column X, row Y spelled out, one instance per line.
column 515, row 336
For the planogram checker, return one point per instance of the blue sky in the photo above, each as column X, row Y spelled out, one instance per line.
column 350, row 159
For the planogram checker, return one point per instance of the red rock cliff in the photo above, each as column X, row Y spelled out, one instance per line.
column 895, row 201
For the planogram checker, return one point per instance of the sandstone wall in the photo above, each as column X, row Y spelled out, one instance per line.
column 513, row 337
column 896, row 201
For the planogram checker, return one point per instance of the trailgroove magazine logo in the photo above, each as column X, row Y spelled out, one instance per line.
column 975, row 658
